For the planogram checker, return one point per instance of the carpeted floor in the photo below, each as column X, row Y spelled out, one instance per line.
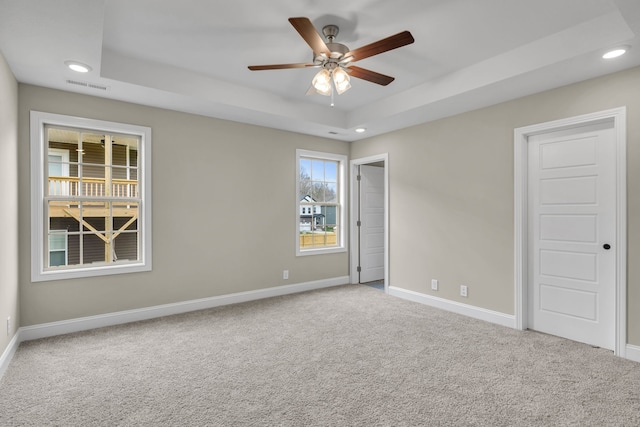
column 344, row 356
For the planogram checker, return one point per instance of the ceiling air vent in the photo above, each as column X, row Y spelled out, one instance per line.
column 87, row 85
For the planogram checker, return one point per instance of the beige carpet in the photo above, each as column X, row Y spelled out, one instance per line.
column 344, row 356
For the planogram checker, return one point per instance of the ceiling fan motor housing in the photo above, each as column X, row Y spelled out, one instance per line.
column 336, row 50
column 330, row 32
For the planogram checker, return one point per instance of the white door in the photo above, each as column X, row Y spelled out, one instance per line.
column 371, row 223
column 572, row 229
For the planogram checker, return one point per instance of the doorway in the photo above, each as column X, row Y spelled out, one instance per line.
column 571, row 229
column 369, row 222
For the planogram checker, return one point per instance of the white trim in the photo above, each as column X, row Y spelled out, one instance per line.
column 343, row 228
column 354, row 252
column 38, row 120
column 8, row 353
column 496, row 317
column 633, row 352
column 521, row 135
column 120, row 317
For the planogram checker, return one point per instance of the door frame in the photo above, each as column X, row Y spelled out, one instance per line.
column 354, row 251
column 521, row 136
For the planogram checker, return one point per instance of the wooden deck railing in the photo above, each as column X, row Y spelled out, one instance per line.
column 92, row 187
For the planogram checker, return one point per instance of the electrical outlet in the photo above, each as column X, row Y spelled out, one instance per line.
column 463, row 290
column 434, row 285
column 285, row 274
column 8, row 325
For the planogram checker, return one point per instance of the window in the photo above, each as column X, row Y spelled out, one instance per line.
column 320, row 201
column 91, row 197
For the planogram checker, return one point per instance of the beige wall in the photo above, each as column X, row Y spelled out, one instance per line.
column 451, row 193
column 9, row 204
column 223, row 212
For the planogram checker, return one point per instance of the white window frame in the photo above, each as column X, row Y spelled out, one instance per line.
column 39, row 248
column 342, row 218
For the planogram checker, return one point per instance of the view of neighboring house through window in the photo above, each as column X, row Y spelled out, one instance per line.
column 58, row 248
column 320, row 190
column 88, row 216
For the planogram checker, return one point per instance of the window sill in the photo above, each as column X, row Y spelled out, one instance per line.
column 321, row 251
column 82, row 272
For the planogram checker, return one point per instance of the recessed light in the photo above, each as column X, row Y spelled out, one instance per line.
column 616, row 52
column 78, row 66
column 360, row 130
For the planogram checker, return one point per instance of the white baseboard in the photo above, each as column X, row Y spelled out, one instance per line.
column 632, row 352
column 44, row 330
column 8, row 353
column 507, row 320
column 92, row 322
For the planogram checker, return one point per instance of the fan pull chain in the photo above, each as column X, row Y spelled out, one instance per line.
column 331, row 83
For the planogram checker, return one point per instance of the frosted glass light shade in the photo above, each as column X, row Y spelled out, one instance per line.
column 341, row 80
column 322, row 82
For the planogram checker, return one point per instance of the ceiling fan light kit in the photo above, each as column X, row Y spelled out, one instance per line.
column 322, row 82
column 341, row 80
column 336, row 59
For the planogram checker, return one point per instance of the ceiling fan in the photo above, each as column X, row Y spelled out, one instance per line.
column 336, row 59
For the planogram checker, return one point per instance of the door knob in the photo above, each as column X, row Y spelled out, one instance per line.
column 606, row 246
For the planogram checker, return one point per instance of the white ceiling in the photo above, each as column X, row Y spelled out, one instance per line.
column 192, row 55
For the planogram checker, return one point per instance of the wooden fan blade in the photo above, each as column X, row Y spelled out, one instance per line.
column 392, row 42
column 309, row 34
column 369, row 75
column 279, row 66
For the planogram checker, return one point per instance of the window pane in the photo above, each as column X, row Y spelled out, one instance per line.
column 124, row 187
column 95, row 216
column 331, row 192
column 305, row 168
column 58, row 241
column 317, row 191
column 317, row 170
column 73, row 250
column 125, row 214
column 60, row 213
column 57, row 258
column 55, row 165
column 93, row 249
column 331, row 171
column 304, row 180
column 331, row 217
column 126, row 246
column 304, row 189
column 61, row 151
column 94, row 152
